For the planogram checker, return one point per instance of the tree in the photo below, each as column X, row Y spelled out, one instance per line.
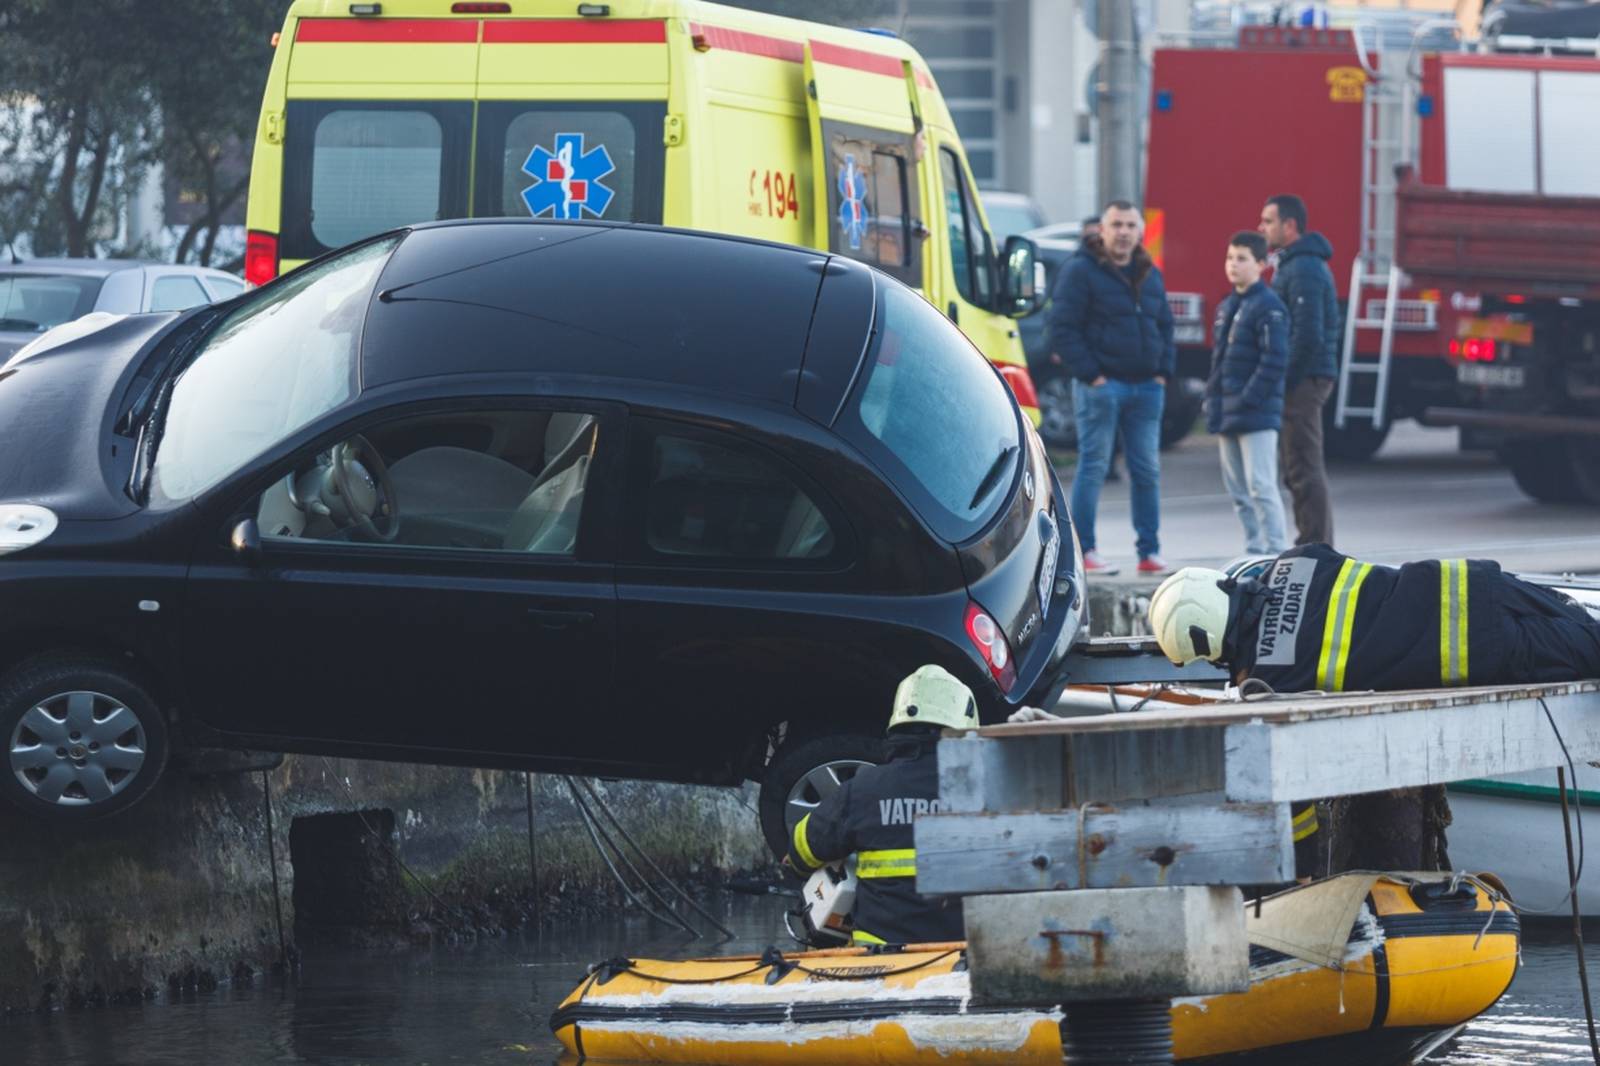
column 64, row 68
column 208, row 104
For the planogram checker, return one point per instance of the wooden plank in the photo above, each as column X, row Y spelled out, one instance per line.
column 1136, row 846
column 1294, row 708
column 978, row 775
column 1469, row 734
column 1118, row 767
column 1127, row 943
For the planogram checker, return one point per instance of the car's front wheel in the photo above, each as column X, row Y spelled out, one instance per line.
column 805, row 771
column 82, row 738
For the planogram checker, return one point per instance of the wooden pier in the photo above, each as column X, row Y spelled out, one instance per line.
column 1099, row 854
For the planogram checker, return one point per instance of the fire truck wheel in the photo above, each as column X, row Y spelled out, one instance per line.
column 1554, row 469
column 1355, row 443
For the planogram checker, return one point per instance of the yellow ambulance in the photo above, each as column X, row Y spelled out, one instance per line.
column 677, row 112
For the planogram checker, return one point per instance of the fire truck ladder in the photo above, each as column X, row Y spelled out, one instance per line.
column 1383, row 110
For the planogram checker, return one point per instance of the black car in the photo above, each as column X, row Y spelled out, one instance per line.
column 565, row 497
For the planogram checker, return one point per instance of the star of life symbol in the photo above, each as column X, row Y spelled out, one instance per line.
column 853, row 217
column 567, row 181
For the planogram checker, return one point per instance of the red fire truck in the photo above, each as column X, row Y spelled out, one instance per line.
column 1503, row 218
column 1303, row 111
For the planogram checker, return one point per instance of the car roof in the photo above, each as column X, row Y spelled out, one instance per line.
column 100, row 268
column 625, row 302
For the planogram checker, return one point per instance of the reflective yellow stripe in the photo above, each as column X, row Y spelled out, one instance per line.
column 899, row 862
column 1453, row 621
column 802, row 849
column 861, row 937
column 1305, row 823
column 1306, row 815
column 1340, row 621
column 1330, row 624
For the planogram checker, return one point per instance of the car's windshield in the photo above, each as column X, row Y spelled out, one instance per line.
column 934, row 415
column 1007, row 219
column 268, row 368
column 33, row 303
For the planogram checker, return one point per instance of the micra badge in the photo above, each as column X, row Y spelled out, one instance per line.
column 1027, row 484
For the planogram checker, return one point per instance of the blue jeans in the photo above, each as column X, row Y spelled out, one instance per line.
column 1100, row 410
column 1250, row 474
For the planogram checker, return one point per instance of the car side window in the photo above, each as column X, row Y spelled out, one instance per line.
column 505, row 481
column 707, row 499
column 176, row 292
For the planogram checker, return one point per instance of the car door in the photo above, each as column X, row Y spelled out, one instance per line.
column 730, row 577
column 481, row 633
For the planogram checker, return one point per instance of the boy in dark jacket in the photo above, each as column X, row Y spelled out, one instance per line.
column 1244, row 395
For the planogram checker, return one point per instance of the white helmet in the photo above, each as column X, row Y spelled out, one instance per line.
column 1189, row 615
column 932, row 695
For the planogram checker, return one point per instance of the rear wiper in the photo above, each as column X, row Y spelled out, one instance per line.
column 997, row 468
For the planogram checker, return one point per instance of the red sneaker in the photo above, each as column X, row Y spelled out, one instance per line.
column 1154, row 566
column 1093, row 564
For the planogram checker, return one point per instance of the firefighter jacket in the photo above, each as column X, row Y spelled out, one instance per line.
column 871, row 816
column 1321, row 620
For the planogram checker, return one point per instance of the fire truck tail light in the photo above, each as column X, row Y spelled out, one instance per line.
column 1474, row 349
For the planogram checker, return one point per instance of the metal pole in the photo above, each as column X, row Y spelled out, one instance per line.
column 1118, row 108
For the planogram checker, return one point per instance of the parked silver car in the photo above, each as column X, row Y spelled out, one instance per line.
column 39, row 294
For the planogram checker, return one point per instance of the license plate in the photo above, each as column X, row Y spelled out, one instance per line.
column 1495, row 377
column 1047, row 569
column 1194, row 333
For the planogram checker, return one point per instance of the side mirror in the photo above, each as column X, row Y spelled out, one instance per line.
column 246, row 540
column 1021, row 293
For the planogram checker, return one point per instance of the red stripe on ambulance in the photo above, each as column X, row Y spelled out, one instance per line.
column 574, row 31
column 386, row 31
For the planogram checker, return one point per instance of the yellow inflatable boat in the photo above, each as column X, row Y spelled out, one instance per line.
column 1358, row 968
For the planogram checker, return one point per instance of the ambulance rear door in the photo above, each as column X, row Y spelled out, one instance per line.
column 570, row 121
column 867, row 193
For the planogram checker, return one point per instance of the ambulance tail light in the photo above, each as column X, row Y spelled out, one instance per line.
column 480, row 9
column 1021, row 383
column 986, row 636
column 260, row 257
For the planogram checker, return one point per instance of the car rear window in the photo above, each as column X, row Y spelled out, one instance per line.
column 33, row 303
column 933, row 414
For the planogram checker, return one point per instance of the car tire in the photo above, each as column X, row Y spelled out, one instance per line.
column 802, row 772
column 110, row 740
column 1057, row 426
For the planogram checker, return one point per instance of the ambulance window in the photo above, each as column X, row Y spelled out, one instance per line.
column 872, row 200
column 372, row 171
column 570, row 160
column 970, row 252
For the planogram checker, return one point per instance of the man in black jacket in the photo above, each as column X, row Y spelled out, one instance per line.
column 1111, row 326
column 1304, row 283
column 1318, row 620
column 871, row 816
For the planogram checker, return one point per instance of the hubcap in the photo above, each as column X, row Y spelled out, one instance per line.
column 817, row 785
column 77, row 748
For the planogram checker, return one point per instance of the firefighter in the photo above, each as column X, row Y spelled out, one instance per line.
column 871, row 815
column 1320, row 621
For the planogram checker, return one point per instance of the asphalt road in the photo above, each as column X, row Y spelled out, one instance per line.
column 1420, row 497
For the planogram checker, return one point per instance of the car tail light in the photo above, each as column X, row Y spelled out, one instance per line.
column 986, row 636
column 260, row 257
column 1021, row 383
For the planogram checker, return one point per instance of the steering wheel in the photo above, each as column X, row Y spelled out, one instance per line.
column 365, row 490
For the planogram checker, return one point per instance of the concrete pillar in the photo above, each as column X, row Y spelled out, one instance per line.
column 1054, row 98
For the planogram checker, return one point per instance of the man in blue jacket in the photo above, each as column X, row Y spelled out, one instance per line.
column 1305, row 285
column 1244, row 394
column 1112, row 328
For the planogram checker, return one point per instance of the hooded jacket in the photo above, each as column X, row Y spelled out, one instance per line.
column 1105, row 320
column 1304, row 283
column 1244, row 393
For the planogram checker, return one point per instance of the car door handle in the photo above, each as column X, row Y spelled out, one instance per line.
column 546, row 618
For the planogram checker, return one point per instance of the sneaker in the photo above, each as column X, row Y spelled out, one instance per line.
column 1093, row 564
column 1154, row 566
